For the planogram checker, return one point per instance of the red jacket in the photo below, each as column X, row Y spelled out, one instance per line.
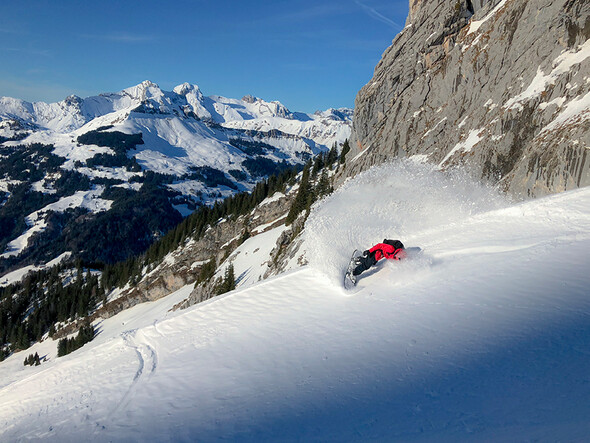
column 383, row 250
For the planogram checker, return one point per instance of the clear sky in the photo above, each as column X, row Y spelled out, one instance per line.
column 307, row 54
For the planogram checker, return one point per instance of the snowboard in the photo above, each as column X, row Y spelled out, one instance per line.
column 350, row 280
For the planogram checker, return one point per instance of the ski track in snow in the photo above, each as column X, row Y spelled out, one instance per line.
column 484, row 337
column 147, row 363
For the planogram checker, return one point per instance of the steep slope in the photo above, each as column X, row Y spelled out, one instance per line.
column 484, row 338
column 504, row 92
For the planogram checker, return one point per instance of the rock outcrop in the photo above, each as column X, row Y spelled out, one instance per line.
column 182, row 266
column 499, row 87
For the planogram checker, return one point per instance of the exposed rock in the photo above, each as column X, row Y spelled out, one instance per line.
column 183, row 266
column 505, row 92
column 287, row 248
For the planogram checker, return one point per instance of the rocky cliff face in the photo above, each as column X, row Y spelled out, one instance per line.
column 500, row 87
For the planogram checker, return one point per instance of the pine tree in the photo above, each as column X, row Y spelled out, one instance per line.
column 207, row 271
column 323, row 188
column 332, row 156
column 303, row 198
column 345, row 150
column 67, row 345
column 245, row 236
column 229, row 281
column 62, row 347
column 230, row 278
column 318, row 164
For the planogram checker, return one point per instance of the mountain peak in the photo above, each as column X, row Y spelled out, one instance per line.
column 185, row 88
column 73, row 100
column 143, row 91
column 147, row 97
column 250, row 99
column 148, row 84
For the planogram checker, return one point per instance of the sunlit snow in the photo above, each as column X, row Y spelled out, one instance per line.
column 483, row 338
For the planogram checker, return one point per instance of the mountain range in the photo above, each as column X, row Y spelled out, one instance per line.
column 162, row 153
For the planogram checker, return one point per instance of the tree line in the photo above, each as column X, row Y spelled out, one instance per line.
column 67, row 345
column 315, row 183
column 31, row 308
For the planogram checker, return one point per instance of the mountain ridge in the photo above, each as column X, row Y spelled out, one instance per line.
column 213, row 108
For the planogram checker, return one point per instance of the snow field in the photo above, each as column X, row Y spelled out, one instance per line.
column 251, row 259
column 483, row 338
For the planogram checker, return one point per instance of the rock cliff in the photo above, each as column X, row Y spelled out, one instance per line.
column 499, row 87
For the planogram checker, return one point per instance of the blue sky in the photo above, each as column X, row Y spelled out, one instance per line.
column 307, row 54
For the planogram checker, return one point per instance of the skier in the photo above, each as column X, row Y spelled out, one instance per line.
column 389, row 249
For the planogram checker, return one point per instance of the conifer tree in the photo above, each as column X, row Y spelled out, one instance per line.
column 323, row 187
column 229, row 281
column 345, row 150
column 303, row 198
column 318, row 164
column 207, row 271
column 230, row 278
column 62, row 347
column 332, row 156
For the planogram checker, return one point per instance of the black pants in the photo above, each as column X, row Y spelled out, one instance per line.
column 364, row 263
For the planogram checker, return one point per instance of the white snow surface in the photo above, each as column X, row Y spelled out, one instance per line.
column 466, row 145
column 482, row 338
column 251, row 259
column 560, row 66
column 577, row 110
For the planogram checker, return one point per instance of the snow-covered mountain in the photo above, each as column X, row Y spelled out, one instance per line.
column 483, row 338
column 142, row 106
column 181, row 129
column 89, row 155
column 185, row 98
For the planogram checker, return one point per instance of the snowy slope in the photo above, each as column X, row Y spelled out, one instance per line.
column 484, row 338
